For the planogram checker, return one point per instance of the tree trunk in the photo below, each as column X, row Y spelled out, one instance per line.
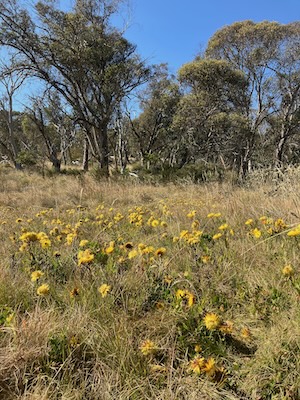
column 279, row 150
column 13, row 142
column 56, row 164
column 85, row 158
column 104, row 153
column 244, row 166
column 98, row 141
column 122, row 151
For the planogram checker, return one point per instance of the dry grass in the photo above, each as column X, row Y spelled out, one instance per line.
column 59, row 346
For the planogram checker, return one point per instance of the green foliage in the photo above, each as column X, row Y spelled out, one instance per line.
column 27, row 158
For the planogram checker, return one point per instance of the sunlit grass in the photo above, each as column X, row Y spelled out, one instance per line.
column 133, row 291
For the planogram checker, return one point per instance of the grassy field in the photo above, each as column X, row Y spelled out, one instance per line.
column 122, row 290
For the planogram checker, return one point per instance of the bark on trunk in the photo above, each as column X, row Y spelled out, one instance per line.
column 13, row 142
column 85, row 158
column 56, row 163
column 98, row 141
column 279, row 151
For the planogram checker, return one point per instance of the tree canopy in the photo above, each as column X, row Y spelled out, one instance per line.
column 236, row 106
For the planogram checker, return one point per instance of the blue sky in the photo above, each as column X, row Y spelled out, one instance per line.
column 174, row 31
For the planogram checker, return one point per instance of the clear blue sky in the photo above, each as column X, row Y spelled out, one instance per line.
column 174, row 31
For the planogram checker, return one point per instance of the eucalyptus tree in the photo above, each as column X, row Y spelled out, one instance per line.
column 81, row 55
column 50, row 132
column 215, row 99
column 151, row 131
column 11, row 80
column 268, row 54
column 285, row 124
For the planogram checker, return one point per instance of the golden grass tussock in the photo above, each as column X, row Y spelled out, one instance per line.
column 126, row 290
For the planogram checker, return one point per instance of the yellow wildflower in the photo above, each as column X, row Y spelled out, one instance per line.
column 36, row 275
column 160, row 251
column 70, row 237
column 183, row 233
column 249, row 221
column 43, row 290
column 104, row 289
column 198, row 348
column 217, row 236
column 280, row 225
column 245, row 333
column 223, row 227
column 205, row 259
column 74, row 292
column 141, row 246
column 186, row 296
column 110, row 248
column 256, row 233
column 45, row 242
column 212, row 321
column 29, row 237
column 210, row 367
column 54, row 231
column 155, row 223
column 197, row 365
column 83, row 243
column 288, row 270
column 191, row 214
column 294, row 232
column 23, row 247
column 195, row 224
column 148, row 250
column 180, row 294
column 265, row 220
column 148, row 347
column 85, row 257
column 132, row 254
column 226, row 327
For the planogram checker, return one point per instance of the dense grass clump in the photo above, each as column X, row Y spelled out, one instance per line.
column 133, row 291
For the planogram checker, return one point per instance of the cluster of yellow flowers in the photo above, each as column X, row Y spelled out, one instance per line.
column 31, row 237
column 190, row 238
column 85, row 257
column 200, row 365
column 148, row 241
column 270, row 227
